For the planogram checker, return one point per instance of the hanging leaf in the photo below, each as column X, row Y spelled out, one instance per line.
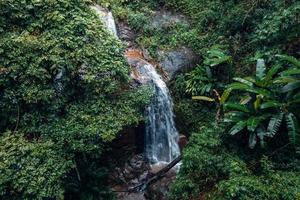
column 225, row 96
column 252, row 123
column 237, row 127
column 203, row 98
column 291, row 86
column 252, row 140
column 260, row 69
column 270, row 104
column 257, row 102
column 293, row 128
column 236, row 106
column 274, row 125
column 268, row 78
column 261, row 132
column 290, row 59
column 244, row 81
column 245, row 100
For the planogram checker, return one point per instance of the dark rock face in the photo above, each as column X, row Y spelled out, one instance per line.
column 177, row 60
column 163, row 19
column 134, row 172
column 125, row 33
column 137, row 171
column 159, row 190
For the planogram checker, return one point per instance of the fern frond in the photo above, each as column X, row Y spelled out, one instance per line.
column 293, row 129
column 274, row 125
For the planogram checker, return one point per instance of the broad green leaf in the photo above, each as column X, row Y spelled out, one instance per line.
column 257, row 102
column 293, row 128
column 203, row 98
column 270, row 74
column 270, row 104
column 237, row 127
column 244, row 81
column 261, row 132
column 284, row 79
column 236, row 106
column 252, row 140
column 290, row 59
column 291, row 86
column 253, row 123
column 274, row 124
column 291, row 72
column 225, row 96
column 245, row 100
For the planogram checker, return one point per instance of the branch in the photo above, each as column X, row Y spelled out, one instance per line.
column 141, row 187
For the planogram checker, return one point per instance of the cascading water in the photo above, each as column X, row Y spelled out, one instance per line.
column 161, row 139
column 107, row 18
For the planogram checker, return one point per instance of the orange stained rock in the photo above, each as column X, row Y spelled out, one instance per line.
column 134, row 53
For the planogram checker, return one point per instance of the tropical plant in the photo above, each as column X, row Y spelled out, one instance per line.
column 204, row 78
column 269, row 99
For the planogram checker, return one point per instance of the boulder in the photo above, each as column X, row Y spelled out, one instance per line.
column 177, row 60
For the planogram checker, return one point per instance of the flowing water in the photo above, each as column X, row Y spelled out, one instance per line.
column 161, row 139
column 161, row 136
column 107, row 18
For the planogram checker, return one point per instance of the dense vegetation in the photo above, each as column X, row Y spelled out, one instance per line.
column 65, row 95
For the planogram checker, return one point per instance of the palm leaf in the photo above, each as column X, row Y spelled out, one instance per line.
column 236, row 106
column 270, row 104
column 244, row 81
column 291, row 86
column 270, row 74
column 261, row 135
column 257, row 102
column 291, row 72
column 252, row 123
column 225, row 96
column 290, row 59
column 284, row 79
column 252, row 140
column 274, row 124
column 293, row 128
column 203, row 98
column 237, row 127
column 245, row 100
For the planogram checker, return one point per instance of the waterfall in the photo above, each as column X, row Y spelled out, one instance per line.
column 161, row 139
column 107, row 18
column 161, row 136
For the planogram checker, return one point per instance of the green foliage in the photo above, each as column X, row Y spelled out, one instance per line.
column 32, row 169
column 65, row 91
column 268, row 102
column 208, row 76
column 212, row 169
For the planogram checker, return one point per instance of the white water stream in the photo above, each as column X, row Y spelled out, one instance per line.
column 161, row 139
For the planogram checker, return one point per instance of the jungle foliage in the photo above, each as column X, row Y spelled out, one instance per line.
column 65, row 94
column 254, row 148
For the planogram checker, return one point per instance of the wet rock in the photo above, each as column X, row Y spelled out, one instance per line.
column 130, row 175
column 182, row 141
column 163, row 19
column 177, row 60
column 159, row 189
column 106, row 17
